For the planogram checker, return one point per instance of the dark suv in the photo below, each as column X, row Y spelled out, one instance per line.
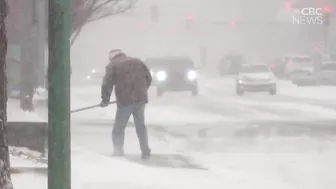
column 173, row 74
column 230, row 64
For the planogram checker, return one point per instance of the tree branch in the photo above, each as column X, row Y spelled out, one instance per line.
column 86, row 11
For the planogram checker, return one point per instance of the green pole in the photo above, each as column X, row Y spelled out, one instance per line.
column 59, row 166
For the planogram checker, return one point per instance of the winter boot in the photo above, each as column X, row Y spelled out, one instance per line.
column 146, row 154
column 118, row 152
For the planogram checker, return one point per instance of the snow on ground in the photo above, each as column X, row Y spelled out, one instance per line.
column 32, row 180
column 14, row 113
column 276, row 163
column 326, row 93
column 168, row 113
column 93, row 171
column 300, row 162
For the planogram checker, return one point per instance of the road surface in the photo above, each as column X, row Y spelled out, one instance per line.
column 277, row 135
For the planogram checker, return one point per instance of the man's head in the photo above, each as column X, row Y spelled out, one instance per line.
column 115, row 53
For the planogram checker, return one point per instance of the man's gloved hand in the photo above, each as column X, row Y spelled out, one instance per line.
column 104, row 104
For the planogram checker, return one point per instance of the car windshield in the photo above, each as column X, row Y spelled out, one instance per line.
column 171, row 64
column 254, row 69
column 302, row 60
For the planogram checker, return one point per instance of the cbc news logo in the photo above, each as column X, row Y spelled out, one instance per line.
column 308, row 15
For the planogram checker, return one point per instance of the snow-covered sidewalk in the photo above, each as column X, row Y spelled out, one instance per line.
column 93, row 171
column 262, row 166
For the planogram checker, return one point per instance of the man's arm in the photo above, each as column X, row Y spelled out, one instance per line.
column 108, row 82
column 148, row 75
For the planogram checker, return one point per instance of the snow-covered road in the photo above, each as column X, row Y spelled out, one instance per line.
column 217, row 138
column 285, row 139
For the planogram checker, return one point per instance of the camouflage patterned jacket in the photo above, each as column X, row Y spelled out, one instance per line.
column 131, row 79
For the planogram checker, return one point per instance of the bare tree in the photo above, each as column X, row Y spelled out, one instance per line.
column 5, row 178
column 86, row 11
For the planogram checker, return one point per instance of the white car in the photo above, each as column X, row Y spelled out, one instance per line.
column 255, row 78
column 299, row 66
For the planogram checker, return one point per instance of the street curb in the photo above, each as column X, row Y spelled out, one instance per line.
column 22, row 170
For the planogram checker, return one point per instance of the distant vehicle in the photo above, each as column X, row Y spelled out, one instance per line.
column 293, row 66
column 327, row 73
column 95, row 76
column 255, row 78
column 230, row 64
column 173, row 74
column 153, row 66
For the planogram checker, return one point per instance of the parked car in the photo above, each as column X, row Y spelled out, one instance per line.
column 94, row 77
column 293, row 65
column 230, row 64
column 327, row 73
column 255, row 78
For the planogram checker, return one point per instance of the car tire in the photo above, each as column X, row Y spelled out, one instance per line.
column 272, row 92
column 159, row 92
column 194, row 92
column 239, row 92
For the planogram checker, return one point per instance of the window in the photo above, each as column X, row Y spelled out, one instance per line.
column 301, row 60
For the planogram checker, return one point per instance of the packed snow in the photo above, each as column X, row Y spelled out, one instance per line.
column 15, row 113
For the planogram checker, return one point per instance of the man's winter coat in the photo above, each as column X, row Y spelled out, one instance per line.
column 129, row 77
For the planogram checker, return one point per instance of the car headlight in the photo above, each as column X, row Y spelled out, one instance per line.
column 161, row 75
column 88, row 77
column 192, row 75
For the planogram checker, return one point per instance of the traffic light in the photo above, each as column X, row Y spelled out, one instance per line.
column 188, row 22
column 233, row 23
column 327, row 9
column 288, row 5
column 326, row 16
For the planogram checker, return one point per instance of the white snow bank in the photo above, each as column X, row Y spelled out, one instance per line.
column 176, row 115
column 100, row 172
column 14, row 113
column 29, row 180
column 300, row 162
column 41, row 94
column 22, row 162
column 93, row 171
column 317, row 92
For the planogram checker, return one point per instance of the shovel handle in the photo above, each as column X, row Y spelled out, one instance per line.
column 89, row 107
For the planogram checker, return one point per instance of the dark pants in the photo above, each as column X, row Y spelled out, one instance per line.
column 122, row 116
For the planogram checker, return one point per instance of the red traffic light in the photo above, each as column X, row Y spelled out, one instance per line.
column 233, row 23
column 189, row 18
column 288, row 5
column 327, row 9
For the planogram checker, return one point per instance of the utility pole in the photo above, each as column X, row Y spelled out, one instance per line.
column 59, row 166
column 326, row 22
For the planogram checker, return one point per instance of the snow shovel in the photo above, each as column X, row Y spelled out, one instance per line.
column 90, row 107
